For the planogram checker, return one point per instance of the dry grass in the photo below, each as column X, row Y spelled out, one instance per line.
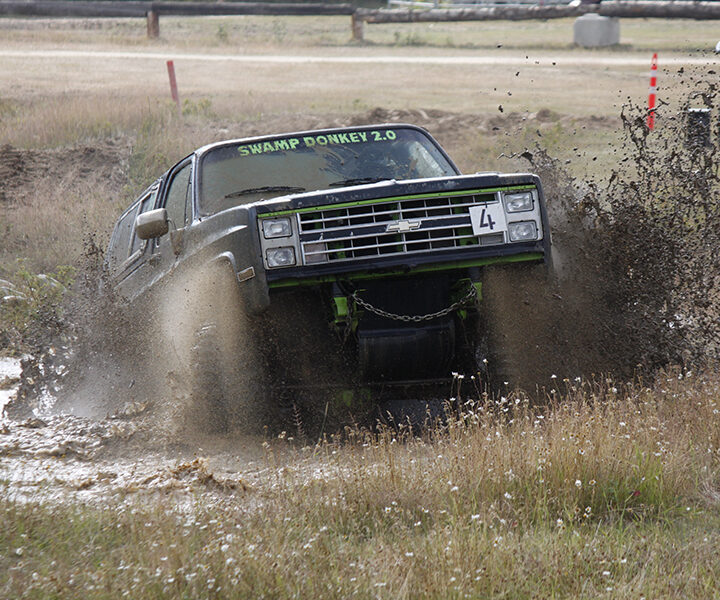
column 81, row 172
column 602, row 493
column 50, row 231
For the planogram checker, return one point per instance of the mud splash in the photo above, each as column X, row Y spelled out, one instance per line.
column 636, row 289
column 123, row 459
column 637, row 278
column 74, row 343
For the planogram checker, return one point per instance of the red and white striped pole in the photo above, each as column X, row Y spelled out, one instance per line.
column 653, row 92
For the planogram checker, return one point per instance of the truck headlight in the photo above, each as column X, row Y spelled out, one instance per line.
column 522, row 231
column 280, row 257
column 276, row 228
column 519, row 202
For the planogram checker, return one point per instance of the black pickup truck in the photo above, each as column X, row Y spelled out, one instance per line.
column 346, row 259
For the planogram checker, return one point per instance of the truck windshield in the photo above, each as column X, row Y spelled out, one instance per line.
column 244, row 173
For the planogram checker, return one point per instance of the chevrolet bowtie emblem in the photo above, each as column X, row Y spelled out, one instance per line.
column 403, row 226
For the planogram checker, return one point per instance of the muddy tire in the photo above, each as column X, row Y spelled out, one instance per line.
column 239, row 369
column 214, row 351
column 305, row 364
column 209, row 411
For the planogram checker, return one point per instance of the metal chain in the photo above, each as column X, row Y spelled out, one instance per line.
column 471, row 295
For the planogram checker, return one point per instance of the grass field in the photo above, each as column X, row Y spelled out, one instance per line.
column 605, row 490
column 604, row 493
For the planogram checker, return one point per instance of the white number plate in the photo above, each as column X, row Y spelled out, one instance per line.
column 488, row 218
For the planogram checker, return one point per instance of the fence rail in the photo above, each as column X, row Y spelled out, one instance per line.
column 130, row 8
column 482, row 11
column 427, row 4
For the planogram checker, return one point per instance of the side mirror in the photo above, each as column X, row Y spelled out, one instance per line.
column 152, row 224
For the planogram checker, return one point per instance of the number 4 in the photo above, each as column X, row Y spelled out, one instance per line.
column 486, row 220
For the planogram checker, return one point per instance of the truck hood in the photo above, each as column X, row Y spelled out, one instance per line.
column 392, row 188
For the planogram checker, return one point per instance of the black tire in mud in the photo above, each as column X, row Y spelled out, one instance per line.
column 307, row 368
column 209, row 386
column 226, row 388
column 516, row 324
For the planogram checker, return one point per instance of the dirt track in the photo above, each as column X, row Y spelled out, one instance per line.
column 510, row 59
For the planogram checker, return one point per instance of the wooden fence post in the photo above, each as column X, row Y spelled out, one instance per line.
column 153, row 25
column 358, row 28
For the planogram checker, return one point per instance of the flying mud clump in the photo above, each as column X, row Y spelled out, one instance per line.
column 82, row 354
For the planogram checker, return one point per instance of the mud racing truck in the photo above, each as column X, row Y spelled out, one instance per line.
column 347, row 259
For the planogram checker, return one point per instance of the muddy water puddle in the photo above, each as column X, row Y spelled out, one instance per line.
column 69, row 460
column 121, row 459
column 77, row 460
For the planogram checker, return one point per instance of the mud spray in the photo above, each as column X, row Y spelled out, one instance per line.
column 635, row 287
column 635, row 257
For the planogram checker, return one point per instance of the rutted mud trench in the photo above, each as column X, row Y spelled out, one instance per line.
column 637, row 288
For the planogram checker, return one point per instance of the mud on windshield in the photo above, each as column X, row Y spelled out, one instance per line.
column 244, row 173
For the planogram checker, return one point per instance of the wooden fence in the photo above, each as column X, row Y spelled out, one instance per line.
column 686, row 9
column 153, row 10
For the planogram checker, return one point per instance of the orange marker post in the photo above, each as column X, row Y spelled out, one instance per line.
column 652, row 94
column 173, row 84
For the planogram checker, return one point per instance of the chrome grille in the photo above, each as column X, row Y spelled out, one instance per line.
column 392, row 227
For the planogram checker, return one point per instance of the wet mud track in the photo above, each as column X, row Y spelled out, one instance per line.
column 122, row 459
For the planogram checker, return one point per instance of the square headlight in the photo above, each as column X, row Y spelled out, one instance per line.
column 280, row 257
column 276, row 228
column 522, row 231
column 519, row 202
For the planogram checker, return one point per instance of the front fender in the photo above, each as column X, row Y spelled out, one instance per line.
column 229, row 240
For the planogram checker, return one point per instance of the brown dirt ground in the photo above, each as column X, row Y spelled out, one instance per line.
column 24, row 171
